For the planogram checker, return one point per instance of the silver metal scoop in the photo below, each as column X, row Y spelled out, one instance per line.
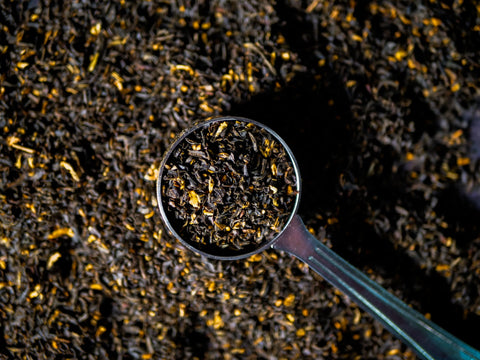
column 427, row 339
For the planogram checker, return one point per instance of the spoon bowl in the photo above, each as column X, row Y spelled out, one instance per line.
column 174, row 226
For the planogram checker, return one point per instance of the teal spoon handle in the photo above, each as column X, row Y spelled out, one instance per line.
column 428, row 340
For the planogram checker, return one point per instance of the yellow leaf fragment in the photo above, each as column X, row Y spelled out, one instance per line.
column 31, row 207
column 334, row 14
column 255, row 258
column 93, row 62
column 194, row 199
column 290, row 190
column 101, row 329
column 12, row 141
column 220, row 226
column 22, row 65
column 96, row 287
column 455, row 138
column 211, row 184
column 400, row 55
column 221, row 128
column 207, row 212
column 211, row 286
column 274, row 169
column 217, row 322
column 332, row 221
column 289, row 300
column 404, row 20
column 300, row 332
column 312, row 6
column 117, row 80
column 463, row 161
column 185, row 68
column 457, row 134
column 118, row 41
column 436, row 21
column 18, row 163
column 452, row 175
column 95, row 29
column 61, row 232
column 152, row 173
column 70, row 169
column 442, row 267
column 36, row 292
column 356, row 37
column 351, row 83
column 393, row 352
column 205, row 107
column 53, row 259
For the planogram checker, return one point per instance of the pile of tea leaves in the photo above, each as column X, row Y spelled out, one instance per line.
column 229, row 186
column 377, row 100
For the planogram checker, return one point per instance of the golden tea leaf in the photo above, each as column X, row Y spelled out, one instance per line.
column 194, row 199
column 70, row 169
column 221, row 128
column 61, row 232
column 53, row 259
column 93, row 62
column 95, row 29
column 96, row 287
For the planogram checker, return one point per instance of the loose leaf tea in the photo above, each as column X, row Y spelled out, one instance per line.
column 91, row 92
column 229, row 184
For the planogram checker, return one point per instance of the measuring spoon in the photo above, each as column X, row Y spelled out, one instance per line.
column 428, row 340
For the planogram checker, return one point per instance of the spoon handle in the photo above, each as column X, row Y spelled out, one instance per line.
column 428, row 340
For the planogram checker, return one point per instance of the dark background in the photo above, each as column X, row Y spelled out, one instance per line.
column 377, row 100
